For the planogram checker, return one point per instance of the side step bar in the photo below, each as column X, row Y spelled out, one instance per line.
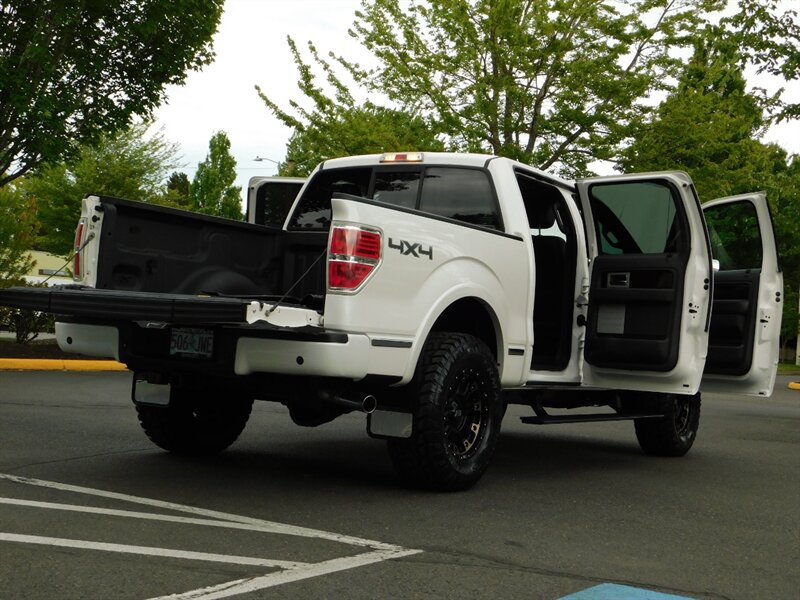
column 545, row 419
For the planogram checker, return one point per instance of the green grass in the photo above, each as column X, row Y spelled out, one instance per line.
column 788, row 369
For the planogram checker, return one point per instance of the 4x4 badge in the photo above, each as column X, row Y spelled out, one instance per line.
column 411, row 249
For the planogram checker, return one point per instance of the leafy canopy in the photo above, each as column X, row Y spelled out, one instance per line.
column 212, row 191
column 74, row 69
column 339, row 126
column 553, row 83
column 131, row 164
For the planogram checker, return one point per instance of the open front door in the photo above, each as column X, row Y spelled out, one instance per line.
column 748, row 297
column 649, row 297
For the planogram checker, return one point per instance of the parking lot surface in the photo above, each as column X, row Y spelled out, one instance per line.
column 90, row 509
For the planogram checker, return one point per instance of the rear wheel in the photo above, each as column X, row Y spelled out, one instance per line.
column 675, row 432
column 195, row 422
column 457, row 415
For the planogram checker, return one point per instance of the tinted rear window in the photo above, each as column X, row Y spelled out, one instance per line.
column 461, row 194
column 456, row 193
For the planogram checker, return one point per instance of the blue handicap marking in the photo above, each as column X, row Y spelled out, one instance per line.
column 612, row 591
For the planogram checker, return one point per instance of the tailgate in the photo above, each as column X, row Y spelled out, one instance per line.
column 130, row 306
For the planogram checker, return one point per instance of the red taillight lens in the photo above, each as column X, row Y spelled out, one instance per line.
column 349, row 241
column 352, row 255
column 347, row 275
column 76, row 261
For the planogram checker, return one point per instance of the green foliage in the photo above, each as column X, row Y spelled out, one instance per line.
column 367, row 129
column 767, row 38
column 127, row 165
column 339, row 127
column 17, row 232
column 554, row 83
column 27, row 324
column 212, row 191
column 178, row 188
column 75, row 69
column 710, row 127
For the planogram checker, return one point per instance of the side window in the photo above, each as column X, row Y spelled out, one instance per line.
column 636, row 218
column 313, row 212
column 461, row 194
column 399, row 189
column 735, row 236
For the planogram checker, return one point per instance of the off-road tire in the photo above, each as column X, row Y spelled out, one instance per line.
column 195, row 422
column 457, row 411
column 675, row 432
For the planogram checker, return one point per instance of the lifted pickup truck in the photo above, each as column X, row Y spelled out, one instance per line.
column 429, row 291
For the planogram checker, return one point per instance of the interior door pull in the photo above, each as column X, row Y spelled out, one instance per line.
column 619, row 280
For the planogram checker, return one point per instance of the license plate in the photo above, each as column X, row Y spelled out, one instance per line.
column 191, row 342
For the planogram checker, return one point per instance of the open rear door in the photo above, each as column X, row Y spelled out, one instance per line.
column 748, row 297
column 649, row 298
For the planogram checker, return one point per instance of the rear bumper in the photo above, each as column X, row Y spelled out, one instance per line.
column 241, row 350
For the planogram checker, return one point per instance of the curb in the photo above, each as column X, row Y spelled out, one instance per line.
column 29, row 364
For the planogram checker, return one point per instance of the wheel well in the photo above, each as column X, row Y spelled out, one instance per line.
column 472, row 316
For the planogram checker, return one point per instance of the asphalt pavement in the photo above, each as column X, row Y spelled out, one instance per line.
column 89, row 508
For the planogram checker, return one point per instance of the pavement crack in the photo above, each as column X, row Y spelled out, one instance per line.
column 13, row 468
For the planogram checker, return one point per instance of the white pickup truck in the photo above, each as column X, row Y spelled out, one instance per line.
column 429, row 291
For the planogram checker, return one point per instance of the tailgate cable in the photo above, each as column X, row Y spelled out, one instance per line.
column 294, row 285
column 69, row 260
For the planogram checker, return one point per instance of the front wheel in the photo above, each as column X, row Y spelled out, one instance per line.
column 457, row 413
column 675, row 432
column 195, row 421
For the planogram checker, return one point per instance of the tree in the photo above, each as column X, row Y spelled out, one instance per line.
column 177, row 190
column 130, row 165
column 17, row 232
column 711, row 127
column 339, row 126
column 554, row 83
column 75, row 69
column 367, row 129
column 212, row 191
column 767, row 39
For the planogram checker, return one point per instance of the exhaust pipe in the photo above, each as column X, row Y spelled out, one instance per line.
column 367, row 404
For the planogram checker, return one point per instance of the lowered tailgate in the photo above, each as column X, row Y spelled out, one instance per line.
column 115, row 305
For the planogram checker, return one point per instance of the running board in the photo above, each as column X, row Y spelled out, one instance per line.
column 546, row 419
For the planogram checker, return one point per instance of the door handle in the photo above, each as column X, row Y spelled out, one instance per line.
column 618, row 280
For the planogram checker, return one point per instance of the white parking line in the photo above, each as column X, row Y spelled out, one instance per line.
column 149, row 551
column 273, row 526
column 289, row 571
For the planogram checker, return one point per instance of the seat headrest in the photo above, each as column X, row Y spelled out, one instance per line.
column 541, row 215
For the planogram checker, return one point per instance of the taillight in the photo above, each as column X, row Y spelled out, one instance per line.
column 353, row 253
column 77, row 266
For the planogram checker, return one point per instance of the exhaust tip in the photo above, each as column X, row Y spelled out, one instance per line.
column 369, row 404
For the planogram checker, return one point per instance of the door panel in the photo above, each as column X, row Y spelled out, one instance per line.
column 733, row 314
column 634, row 312
column 650, row 284
column 746, row 313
